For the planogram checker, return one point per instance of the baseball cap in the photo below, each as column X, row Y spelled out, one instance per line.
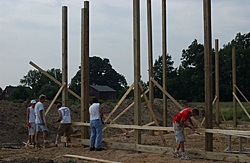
column 33, row 101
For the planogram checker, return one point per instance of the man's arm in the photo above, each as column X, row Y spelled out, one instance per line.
column 60, row 115
column 41, row 116
column 27, row 115
column 190, row 121
column 185, row 125
column 101, row 112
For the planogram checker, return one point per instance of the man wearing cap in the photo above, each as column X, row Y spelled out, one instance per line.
column 30, row 117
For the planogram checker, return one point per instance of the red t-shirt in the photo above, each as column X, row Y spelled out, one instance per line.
column 182, row 115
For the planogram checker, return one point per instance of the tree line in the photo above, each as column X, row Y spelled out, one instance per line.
column 185, row 82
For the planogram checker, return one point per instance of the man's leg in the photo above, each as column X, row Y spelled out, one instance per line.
column 182, row 146
column 178, row 146
column 99, row 135
column 92, row 135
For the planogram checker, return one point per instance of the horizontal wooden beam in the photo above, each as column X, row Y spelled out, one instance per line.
column 219, row 156
column 238, row 122
column 89, row 158
column 160, row 128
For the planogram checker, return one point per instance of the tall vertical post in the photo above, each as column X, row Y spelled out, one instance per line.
column 208, row 74
column 234, row 83
column 164, row 64
column 217, row 89
column 150, row 60
column 85, row 68
column 65, row 55
column 137, row 76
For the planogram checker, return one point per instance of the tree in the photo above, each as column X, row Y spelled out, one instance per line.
column 1, row 90
column 36, row 80
column 21, row 93
column 100, row 73
column 157, row 71
column 191, row 73
column 242, row 49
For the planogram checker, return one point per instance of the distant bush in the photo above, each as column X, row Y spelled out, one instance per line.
column 18, row 101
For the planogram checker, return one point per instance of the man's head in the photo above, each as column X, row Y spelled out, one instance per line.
column 33, row 103
column 59, row 105
column 42, row 98
column 95, row 100
column 194, row 112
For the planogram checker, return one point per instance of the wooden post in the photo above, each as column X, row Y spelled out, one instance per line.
column 164, row 62
column 234, row 89
column 150, row 60
column 85, row 68
column 208, row 74
column 137, row 76
column 65, row 55
column 217, row 89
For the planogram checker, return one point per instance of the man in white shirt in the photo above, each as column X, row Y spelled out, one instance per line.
column 65, row 124
column 96, row 115
column 30, row 117
column 41, row 121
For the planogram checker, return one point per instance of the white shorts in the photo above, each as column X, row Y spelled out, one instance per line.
column 40, row 127
column 32, row 129
column 179, row 132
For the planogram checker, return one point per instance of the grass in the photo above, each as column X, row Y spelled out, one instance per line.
column 227, row 109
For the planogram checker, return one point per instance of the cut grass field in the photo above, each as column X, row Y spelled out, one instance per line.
column 227, row 109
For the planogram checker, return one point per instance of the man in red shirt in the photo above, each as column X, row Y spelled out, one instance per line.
column 179, row 123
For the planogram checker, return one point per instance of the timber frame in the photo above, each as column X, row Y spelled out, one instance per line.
column 139, row 92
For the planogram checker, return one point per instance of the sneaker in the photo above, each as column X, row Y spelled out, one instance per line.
column 92, row 148
column 177, row 154
column 66, row 145
column 56, row 145
column 99, row 149
column 185, row 157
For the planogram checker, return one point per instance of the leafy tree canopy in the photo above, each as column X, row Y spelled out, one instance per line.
column 100, row 73
column 37, row 81
column 21, row 93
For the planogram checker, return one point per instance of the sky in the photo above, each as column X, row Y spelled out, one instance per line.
column 31, row 30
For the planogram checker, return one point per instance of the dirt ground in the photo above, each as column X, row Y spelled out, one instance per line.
column 14, row 131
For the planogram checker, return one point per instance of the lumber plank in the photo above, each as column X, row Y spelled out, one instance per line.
column 90, row 158
column 56, row 96
column 160, row 128
column 152, row 113
column 119, row 103
column 241, row 105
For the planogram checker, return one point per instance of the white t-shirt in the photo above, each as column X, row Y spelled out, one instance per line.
column 38, row 107
column 94, row 111
column 66, row 117
column 32, row 114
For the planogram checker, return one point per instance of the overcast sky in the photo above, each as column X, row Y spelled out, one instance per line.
column 30, row 30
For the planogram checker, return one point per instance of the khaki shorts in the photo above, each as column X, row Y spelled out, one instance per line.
column 179, row 132
column 64, row 128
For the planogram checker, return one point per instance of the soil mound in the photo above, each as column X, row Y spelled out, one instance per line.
column 13, row 117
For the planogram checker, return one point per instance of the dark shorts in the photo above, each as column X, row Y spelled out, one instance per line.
column 64, row 128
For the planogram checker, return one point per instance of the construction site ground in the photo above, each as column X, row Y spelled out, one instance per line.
column 14, row 132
